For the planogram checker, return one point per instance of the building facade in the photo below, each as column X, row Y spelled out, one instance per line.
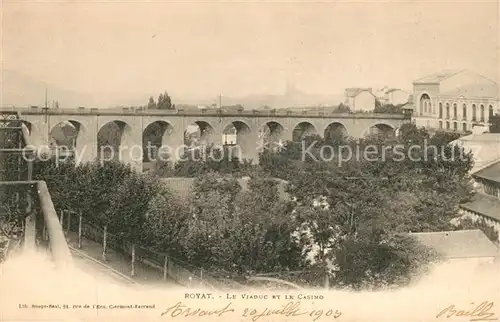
column 360, row 99
column 455, row 101
column 485, row 204
column 393, row 96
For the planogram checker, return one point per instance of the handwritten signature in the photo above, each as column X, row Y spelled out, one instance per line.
column 479, row 313
column 290, row 309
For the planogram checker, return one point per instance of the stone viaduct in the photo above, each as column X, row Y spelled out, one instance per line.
column 281, row 125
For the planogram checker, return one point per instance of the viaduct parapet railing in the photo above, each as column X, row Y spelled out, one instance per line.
column 201, row 112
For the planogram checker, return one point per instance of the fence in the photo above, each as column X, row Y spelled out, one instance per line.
column 181, row 272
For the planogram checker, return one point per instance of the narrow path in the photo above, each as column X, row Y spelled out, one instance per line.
column 99, row 270
column 118, row 263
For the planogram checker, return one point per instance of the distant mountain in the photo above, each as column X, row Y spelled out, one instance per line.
column 21, row 90
column 288, row 99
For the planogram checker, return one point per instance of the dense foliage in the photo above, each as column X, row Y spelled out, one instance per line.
column 388, row 108
column 107, row 194
column 204, row 159
column 347, row 221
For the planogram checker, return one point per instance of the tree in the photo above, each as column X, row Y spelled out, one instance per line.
column 130, row 202
column 347, row 208
column 110, row 195
column 342, row 108
column 495, row 123
column 166, row 219
column 151, row 103
column 267, row 243
column 239, row 233
column 210, row 158
column 387, row 108
column 164, row 101
column 208, row 236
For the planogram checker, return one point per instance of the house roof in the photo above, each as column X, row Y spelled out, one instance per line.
column 390, row 90
column 491, row 172
column 437, row 77
column 485, row 205
column 459, row 244
column 354, row 91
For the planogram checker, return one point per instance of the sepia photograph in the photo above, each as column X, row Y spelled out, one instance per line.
column 249, row 160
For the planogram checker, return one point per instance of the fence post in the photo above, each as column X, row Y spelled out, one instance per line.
column 45, row 234
column 104, row 243
column 165, row 268
column 80, row 231
column 62, row 219
column 69, row 222
column 132, row 273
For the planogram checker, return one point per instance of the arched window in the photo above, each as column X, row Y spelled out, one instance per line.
column 447, row 125
column 455, row 126
column 440, row 110
column 447, row 110
column 464, row 127
column 490, row 112
column 425, row 102
column 474, row 112
column 454, row 111
column 440, row 124
column 464, row 112
column 482, row 113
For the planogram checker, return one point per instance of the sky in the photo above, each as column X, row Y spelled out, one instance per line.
column 198, row 49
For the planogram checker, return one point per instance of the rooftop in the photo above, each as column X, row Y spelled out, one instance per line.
column 491, row 172
column 459, row 244
column 475, row 90
column 485, row 205
column 354, row 91
column 437, row 77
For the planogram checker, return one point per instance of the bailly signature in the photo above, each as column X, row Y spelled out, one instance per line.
column 479, row 313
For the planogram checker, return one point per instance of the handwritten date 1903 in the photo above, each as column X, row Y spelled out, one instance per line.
column 479, row 313
column 290, row 309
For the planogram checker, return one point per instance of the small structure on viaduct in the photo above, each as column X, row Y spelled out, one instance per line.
column 280, row 125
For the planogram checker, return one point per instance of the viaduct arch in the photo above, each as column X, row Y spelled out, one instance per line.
column 251, row 130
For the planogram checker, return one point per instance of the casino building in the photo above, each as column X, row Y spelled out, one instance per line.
column 459, row 101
